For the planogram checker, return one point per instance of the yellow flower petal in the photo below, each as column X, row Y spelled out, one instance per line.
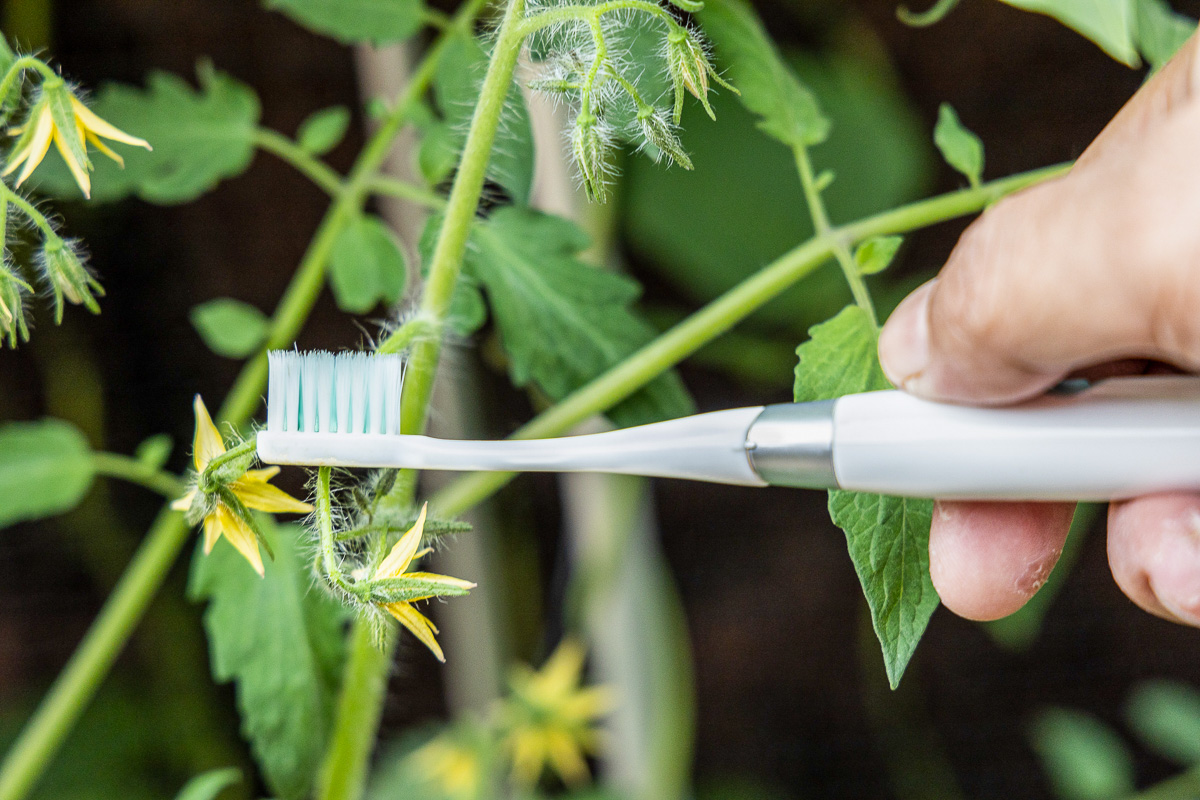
column 94, row 123
column 260, row 475
column 103, row 148
column 589, row 703
column 528, row 757
column 418, row 624
column 562, row 670
column 212, row 530
column 402, row 552
column 566, row 758
column 185, row 502
column 265, row 497
column 39, row 145
column 207, row 444
column 240, row 536
column 78, row 171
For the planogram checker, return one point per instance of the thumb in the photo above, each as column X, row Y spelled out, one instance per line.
column 1094, row 266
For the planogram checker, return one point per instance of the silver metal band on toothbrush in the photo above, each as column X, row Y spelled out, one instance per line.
column 791, row 444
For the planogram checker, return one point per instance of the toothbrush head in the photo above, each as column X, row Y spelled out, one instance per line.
column 322, row 392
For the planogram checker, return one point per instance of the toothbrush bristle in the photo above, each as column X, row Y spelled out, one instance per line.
column 322, row 392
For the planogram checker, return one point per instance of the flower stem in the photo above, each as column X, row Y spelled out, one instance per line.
column 116, row 465
column 723, row 313
column 820, row 218
column 28, row 209
column 554, row 16
column 394, row 187
column 312, row 167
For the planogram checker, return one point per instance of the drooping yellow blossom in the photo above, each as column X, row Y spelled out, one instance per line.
column 58, row 116
column 252, row 489
column 550, row 718
column 402, row 554
column 455, row 767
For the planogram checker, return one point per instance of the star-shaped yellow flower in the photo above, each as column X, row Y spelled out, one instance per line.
column 550, row 718
column 403, row 553
column 251, row 489
column 58, row 116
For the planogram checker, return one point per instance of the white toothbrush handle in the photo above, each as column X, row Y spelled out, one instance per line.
column 1121, row 438
column 705, row 447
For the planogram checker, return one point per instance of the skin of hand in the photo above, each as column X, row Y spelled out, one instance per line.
column 1095, row 270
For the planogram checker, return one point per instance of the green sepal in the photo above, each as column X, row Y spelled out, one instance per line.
column 58, row 98
column 239, row 509
column 404, row 589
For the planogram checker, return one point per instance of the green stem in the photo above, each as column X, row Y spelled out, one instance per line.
column 820, row 218
column 28, row 209
column 19, row 66
column 116, row 465
column 364, row 685
column 720, row 315
column 329, row 560
column 394, row 187
column 1184, row 786
column 94, row 657
column 401, row 338
column 305, row 162
column 446, row 262
column 554, row 16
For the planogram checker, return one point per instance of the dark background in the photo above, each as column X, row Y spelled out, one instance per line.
column 787, row 683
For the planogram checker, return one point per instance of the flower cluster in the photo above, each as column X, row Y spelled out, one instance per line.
column 53, row 114
column 547, row 722
column 589, row 72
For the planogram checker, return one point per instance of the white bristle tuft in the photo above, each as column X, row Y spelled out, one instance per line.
column 333, row 393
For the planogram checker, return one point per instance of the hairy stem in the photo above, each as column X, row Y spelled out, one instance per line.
column 820, row 218
column 554, row 16
column 306, row 163
column 28, row 209
column 116, row 465
column 720, row 315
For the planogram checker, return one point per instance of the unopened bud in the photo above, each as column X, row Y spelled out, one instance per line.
column 68, row 277
column 690, row 68
column 588, row 147
column 12, row 308
column 658, row 131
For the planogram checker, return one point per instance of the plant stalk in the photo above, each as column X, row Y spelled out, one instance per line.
column 723, row 313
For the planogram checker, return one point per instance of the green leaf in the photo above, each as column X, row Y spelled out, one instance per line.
column 961, row 148
column 1165, row 715
column 876, row 254
column 561, row 321
column 154, row 451
column 199, row 137
column 366, row 266
column 323, row 130
column 354, row 21
column 207, row 785
column 230, row 327
column 1111, row 24
column 1084, row 758
column 888, row 537
column 45, row 469
column 456, row 88
column 280, row 639
column 1160, row 31
column 788, row 109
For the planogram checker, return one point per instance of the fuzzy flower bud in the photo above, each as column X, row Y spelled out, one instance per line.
column 590, row 152
column 12, row 307
column 657, row 130
column 690, row 68
column 67, row 275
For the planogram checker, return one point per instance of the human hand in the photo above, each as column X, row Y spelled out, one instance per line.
column 1097, row 271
